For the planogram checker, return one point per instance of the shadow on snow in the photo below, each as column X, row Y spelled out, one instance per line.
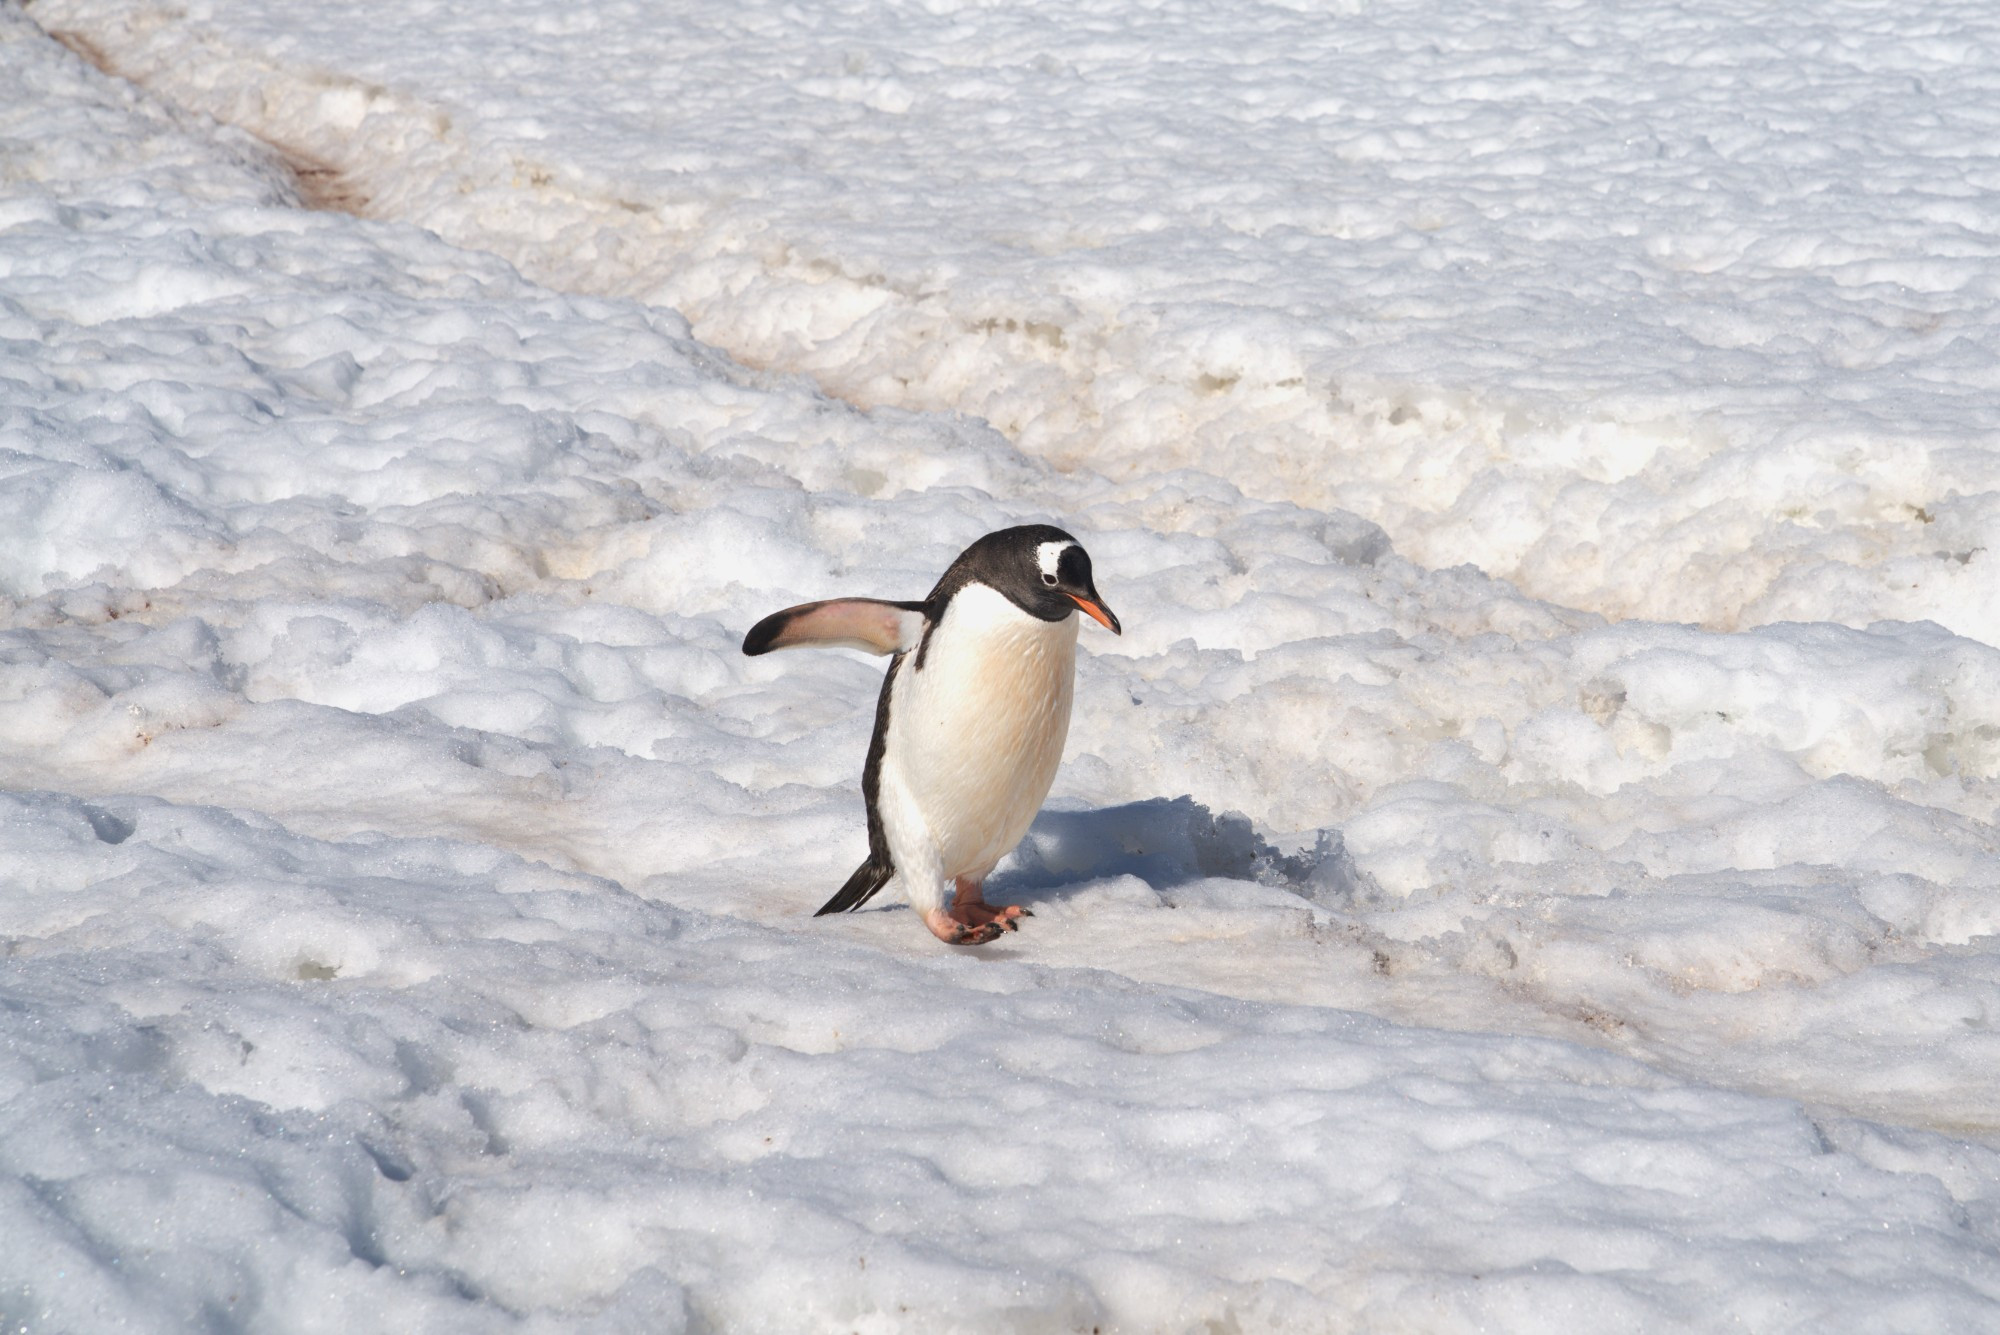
column 1165, row 842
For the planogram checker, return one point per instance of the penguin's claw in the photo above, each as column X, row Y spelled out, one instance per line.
column 1007, row 917
column 971, row 921
column 970, row 908
column 954, row 932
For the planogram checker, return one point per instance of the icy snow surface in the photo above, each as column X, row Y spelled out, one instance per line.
column 403, row 878
column 1685, row 311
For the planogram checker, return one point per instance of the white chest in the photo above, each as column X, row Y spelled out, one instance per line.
column 977, row 731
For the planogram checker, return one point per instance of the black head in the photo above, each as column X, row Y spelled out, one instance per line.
column 1041, row 569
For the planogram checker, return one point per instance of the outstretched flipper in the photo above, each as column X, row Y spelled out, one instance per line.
column 869, row 877
column 853, row 623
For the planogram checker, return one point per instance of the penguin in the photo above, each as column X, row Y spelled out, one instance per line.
column 971, row 721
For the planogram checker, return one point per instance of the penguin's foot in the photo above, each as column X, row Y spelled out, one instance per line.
column 969, row 906
column 971, row 921
column 954, row 932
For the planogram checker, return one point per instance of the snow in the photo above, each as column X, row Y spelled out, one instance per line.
column 1577, row 295
column 1529, row 863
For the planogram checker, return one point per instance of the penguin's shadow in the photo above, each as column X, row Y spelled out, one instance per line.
column 1165, row 842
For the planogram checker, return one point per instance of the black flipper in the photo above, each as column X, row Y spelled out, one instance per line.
column 869, row 877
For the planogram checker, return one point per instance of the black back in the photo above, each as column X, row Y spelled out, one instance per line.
column 875, row 871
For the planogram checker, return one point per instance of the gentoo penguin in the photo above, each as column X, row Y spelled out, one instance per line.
column 970, row 725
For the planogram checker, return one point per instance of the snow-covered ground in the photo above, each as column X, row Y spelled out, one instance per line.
column 1680, row 311
column 403, row 877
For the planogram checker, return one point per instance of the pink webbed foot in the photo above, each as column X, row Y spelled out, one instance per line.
column 971, row 921
column 953, row 932
column 969, row 906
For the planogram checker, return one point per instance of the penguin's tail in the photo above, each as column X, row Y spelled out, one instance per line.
column 869, row 877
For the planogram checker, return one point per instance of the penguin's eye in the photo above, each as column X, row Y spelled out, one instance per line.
column 1049, row 580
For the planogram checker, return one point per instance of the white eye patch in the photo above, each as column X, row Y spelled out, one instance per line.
column 1049, row 557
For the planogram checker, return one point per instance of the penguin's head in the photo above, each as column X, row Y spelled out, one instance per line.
column 1041, row 569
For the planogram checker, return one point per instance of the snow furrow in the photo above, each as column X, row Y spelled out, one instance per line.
column 1662, row 313
column 403, row 877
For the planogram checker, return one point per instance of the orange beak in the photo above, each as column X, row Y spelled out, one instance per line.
column 1099, row 612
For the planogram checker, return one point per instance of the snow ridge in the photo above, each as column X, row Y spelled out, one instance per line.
column 403, row 878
